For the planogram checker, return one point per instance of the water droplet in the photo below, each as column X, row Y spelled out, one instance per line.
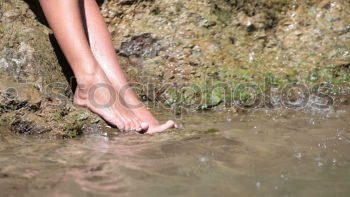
column 204, row 159
column 298, row 155
column 258, row 185
column 312, row 121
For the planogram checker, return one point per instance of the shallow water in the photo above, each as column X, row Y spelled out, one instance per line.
column 274, row 153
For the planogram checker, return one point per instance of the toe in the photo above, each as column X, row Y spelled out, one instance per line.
column 141, row 127
column 134, row 125
column 128, row 125
column 144, row 126
column 120, row 125
column 163, row 127
column 137, row 125
column 115, row 123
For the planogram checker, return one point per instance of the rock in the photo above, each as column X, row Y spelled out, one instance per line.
column 34, row 91
column 144, row 45
column 29, row 124
column 223, row 36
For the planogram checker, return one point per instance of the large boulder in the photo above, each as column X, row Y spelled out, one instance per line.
column 35, row 93
column 205, row 43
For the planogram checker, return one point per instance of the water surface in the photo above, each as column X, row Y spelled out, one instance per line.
column 273, row 153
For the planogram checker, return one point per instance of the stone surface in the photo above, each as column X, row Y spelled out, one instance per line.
column 34, row 92
column 207, row 42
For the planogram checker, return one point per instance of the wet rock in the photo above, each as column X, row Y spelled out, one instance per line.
column 251, row 27
column 33, row 88
column 28, row 125
column 144, row 45
column 224, row 36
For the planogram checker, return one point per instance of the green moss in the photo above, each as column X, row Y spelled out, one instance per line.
column 57, row 116
column 4, row 120
column 247, row 83
column 224, row 12
column 72, row 130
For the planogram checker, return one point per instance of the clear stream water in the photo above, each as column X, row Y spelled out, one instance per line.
column 265, row 153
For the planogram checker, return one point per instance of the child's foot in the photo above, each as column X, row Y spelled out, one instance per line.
column 96, row 93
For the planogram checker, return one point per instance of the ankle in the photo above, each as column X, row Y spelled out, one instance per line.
column 86, row 72
column 87, row 77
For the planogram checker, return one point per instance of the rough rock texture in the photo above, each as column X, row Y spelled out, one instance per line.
column 34, row 92
column 207, row 42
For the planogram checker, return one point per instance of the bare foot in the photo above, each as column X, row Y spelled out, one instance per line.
column 161, row 127
column 154, row 126
column 130, row 100
column 96, row 93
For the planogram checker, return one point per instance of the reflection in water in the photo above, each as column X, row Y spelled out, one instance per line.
column 278, row 153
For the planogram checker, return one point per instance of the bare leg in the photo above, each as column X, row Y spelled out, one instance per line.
column 65, row 20
column 104, row 52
